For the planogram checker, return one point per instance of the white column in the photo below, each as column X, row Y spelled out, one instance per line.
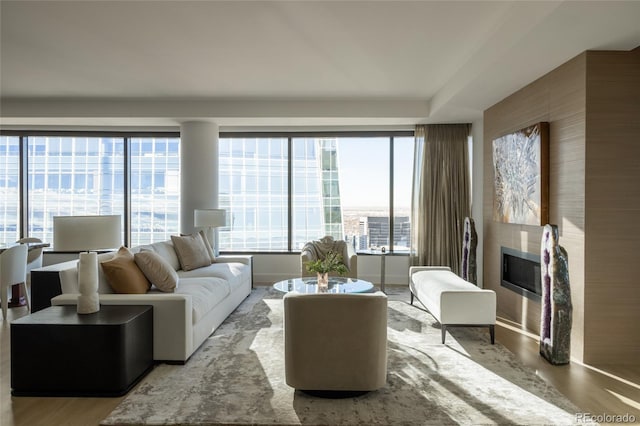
column 199, row 170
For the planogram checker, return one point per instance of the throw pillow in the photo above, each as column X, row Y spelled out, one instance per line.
column 191, row 251
column 157, row 270
column 123, row 274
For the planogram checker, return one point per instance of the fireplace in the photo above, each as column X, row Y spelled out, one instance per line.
column 520, row 272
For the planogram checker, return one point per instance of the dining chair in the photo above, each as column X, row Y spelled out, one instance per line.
column 13, row 270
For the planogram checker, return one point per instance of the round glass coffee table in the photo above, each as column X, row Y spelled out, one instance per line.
column 336, row 285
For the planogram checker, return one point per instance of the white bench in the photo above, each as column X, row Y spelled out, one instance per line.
column 451, row 300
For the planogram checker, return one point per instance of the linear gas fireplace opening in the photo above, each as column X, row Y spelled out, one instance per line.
column 520, row 272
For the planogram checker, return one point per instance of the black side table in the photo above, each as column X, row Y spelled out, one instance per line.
column 58, row 352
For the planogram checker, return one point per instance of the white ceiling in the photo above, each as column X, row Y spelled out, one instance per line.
column 284, row 63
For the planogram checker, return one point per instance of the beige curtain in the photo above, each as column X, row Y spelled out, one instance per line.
column 441, row 196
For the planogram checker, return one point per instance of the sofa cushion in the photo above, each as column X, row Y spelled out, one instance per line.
column 157, row 270
column 206, row 294
column 123, row 274
column 191, row 250
column 234, row 273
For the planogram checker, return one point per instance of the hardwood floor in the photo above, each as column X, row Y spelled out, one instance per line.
column 610, row 390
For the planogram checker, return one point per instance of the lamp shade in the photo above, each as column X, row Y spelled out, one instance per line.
column 82, row 233
column 209, row 217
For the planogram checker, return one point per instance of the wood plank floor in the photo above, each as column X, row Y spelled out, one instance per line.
column 612, row 390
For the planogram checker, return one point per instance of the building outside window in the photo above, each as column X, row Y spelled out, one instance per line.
column 86, row 176
column 253, row 189
column 9, row 189
column 155, row 189
column 73, row 176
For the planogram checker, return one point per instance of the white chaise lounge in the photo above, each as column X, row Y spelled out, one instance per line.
column 451, row 300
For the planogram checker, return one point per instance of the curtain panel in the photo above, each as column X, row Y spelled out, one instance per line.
column 441, row 194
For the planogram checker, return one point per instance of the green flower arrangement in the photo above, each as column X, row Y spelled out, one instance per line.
column 331, row 263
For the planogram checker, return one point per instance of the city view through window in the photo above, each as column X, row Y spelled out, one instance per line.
column 339, row 186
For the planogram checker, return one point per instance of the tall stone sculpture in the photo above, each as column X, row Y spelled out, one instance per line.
column 89, row 299
column 469, row 244
column 555, row 327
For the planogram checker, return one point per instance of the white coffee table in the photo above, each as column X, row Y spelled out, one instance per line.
column 336, row 285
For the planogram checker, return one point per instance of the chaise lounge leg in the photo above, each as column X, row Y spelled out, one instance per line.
column 412, row 298
column 444, row 332
column 492, row 333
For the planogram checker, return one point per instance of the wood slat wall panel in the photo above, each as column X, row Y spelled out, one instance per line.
column 593, row 105
column 559, row 98
column 612, row 294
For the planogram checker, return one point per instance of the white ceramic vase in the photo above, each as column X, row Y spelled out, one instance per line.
column 89, row 299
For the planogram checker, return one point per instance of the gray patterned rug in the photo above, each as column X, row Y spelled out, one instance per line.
column 237, row 377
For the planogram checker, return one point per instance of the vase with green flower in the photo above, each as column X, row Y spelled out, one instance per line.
column 332, row 262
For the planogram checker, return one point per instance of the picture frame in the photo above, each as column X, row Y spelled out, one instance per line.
column 521, row 176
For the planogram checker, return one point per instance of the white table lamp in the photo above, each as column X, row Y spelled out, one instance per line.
column 85, row 233
column 210, row 218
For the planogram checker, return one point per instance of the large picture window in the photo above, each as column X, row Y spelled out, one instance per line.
column 279, row 190
column 342, row 186
column 253, row 189
column 72, row 176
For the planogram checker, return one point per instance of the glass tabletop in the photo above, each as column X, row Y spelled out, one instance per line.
column 336, row 285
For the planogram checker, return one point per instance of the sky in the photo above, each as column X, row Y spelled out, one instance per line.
column 363, row 165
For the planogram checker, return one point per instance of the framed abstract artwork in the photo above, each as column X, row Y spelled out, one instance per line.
column 521, row 176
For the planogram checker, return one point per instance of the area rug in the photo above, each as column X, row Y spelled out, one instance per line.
column 237, row 377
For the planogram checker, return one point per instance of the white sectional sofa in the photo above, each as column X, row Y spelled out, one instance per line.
column 182, row 320
column 451, row 300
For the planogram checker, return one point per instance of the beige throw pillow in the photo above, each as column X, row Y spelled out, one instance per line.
column 157, row 270
column 191, row 251
column 123, row 274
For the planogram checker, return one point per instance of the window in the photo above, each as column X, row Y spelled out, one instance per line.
column 73, row 176
column 363, row 167
column 9, row 189
column 279, row 190
column 155, row 189
column 340, row 186
column 402, row 184
column 253, row 189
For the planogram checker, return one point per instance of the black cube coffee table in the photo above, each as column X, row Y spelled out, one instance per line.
column 58, row 352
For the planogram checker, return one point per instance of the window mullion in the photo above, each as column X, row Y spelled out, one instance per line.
column 290, row 193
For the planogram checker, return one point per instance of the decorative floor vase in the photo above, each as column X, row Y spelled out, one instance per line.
column 556, row 315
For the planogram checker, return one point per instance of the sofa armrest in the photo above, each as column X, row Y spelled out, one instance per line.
column 226, row 258
column 172, row 320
